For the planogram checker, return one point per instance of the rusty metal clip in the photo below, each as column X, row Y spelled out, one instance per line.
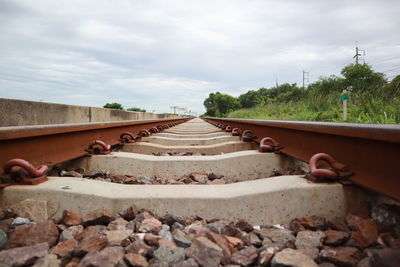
column 332, row 170
column 154, row 130
column 236, row 132
column 98, row 147
column 144, row 133
column 228, row 129
column 127, row 137
column 248, row 136
column 268, row 144
column 22, row 172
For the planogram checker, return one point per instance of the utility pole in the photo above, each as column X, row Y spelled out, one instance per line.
column 174, row 107
column 357, row 53
column 306, row 76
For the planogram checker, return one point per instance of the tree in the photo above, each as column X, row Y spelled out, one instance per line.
column 361, row 77
column 218, row 104
column 136, row 109
column 113, row 106
column 250, row 99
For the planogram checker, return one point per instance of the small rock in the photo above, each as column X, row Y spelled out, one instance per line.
column 339, row 224
column 71, row 232
column 70, row 218
column 306, row 239
column 150, row 225
column 335, row 238
column 90, row 231
column 24, row 255
column 31, row 234
column 266, row 256
column 212, row 176
column 5, row 224
column 90, row 243
column 115, row 237
column 117, row 178
column 311, row 252
column 252, row 239
column 245, row 257
column 115, row 254
column 73, row 262
column 232, row 230
column 130, row 213
column 118, row 224
column 313, row 222
column 171, row 219
column 218, row 226
column 169, row 254
column 342, row 256
column 71, row 174
column 235, row 242
column 205, row 252
column 367, row 262
column 50, row 260
column 352, row 221
column 3, row 239
column 217, row 181
column 95, row 173
column 151, row 239
column 244, row 226
column 165, row 232
column 95, row 258
column 223, row 243
column 65, row 248
column 180, row 238
column 138, row 247
column 293, row 258
column 201, row 178
column 368, row 230
column 386, row 216
column 187, row 263
column 144, row 180
column 101, row 216
column 136, row 260
column 19, row 221
column 385, row 257
column 282, row 236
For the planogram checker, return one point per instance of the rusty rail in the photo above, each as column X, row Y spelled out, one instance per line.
column 52, row 144
column 371, row 151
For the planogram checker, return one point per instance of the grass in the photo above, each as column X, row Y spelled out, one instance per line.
column 364, row 108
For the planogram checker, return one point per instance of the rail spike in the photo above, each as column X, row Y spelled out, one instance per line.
column 228, row 129
column 154, row 130
column 248, row 136
column 268, row 144
column 127, row 137
column 236, row 132
column 144, row 133
column 98, row 147
column 332, row 170
column 23, row 172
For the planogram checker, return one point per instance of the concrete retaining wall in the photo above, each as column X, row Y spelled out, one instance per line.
column 20, row 112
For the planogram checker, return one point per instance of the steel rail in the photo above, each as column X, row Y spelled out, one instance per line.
column 52, row 144
column 371, row 151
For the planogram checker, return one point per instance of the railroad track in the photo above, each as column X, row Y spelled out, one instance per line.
column 212, row 168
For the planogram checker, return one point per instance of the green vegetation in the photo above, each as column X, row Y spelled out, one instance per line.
column 120, row 107
column 372, row 99
column 113, row 106
column 136, row 109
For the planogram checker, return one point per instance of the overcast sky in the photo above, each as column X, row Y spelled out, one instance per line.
column 156, row 54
